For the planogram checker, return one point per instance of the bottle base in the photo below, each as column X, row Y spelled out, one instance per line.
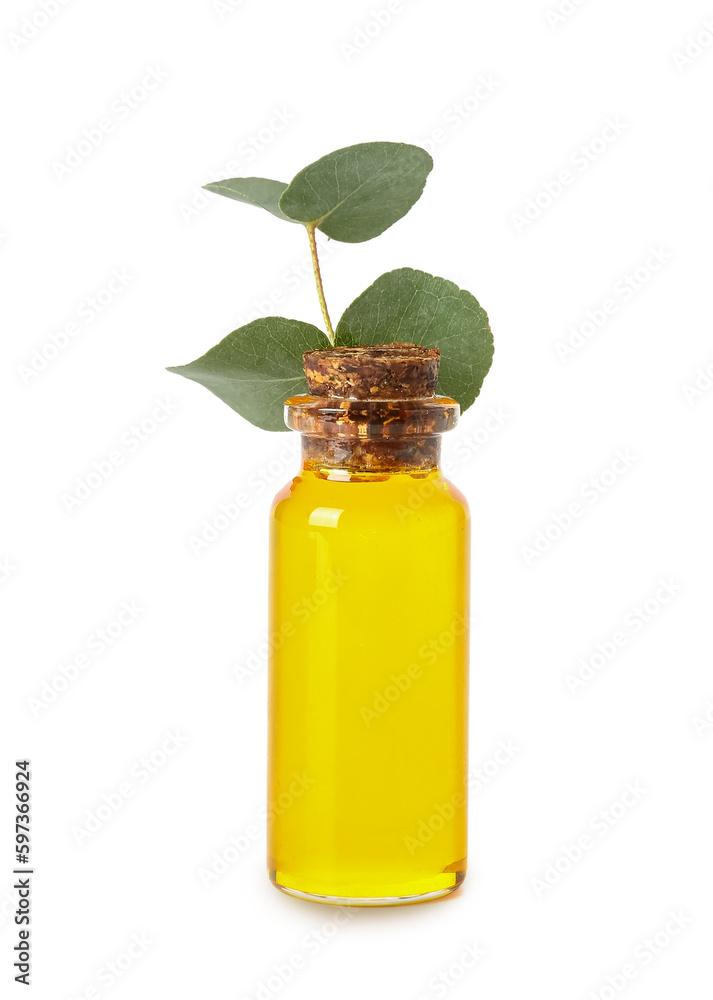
column 454, row 880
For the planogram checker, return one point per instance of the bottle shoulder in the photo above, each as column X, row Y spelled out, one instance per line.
column 314, row 498
column 458, row 496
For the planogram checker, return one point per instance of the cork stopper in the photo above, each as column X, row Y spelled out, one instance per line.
column 382, row 371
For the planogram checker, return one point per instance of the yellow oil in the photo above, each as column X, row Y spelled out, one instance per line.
column 368, row 687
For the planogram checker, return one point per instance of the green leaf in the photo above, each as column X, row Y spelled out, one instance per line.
column 415, row 307
column 257, row 367
column 253, row 191
column 355, row 193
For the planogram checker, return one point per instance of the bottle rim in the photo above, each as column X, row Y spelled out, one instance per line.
column 329, row 416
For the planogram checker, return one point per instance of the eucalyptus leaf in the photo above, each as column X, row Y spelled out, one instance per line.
column 354, row 194
column 259, row 191
column 257, row 367
column 415, row 307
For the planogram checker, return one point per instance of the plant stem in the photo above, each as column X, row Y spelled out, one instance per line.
column 318, row 281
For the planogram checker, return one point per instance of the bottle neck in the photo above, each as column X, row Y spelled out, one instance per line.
column 366, row 455
column 374, row 435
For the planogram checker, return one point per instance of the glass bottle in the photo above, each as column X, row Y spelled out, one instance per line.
column 369, row 612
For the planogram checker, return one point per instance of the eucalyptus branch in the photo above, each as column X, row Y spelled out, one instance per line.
column 351, row 195
column 318, row 282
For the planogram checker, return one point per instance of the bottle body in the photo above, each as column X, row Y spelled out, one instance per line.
column 369, row 613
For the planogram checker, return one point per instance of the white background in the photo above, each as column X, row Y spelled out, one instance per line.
column 294, row 76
